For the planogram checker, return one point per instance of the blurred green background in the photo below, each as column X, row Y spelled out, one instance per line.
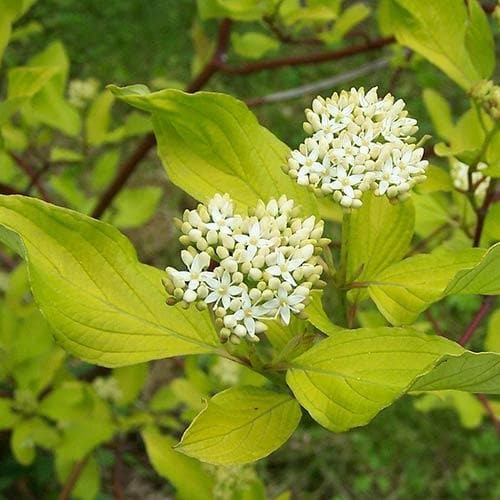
column 403, row 453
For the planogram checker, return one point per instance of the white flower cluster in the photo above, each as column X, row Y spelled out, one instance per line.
column 460, row 177
column 247, row 268
column 82, row 91
column 358, row 143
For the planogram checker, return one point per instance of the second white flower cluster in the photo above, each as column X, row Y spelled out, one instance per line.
column 247, row 268
column 358, row 143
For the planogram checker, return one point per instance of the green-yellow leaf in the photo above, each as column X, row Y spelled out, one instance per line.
column 102, row 304
column 439, row 111
column 379, row 234
column 345, row 380
column 453, row 35
column 483, row 278
column 472, row 372
column 241, row 425
column 191, row 480
column 211, row 143
column 253, row 45
column 405, row 289
column 98, row 118
column 468, row 407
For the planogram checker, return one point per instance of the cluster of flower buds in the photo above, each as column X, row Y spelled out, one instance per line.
column 247, row 268
column 358, row 143
column 460, row 177
column 80, row 92
column 488, row 95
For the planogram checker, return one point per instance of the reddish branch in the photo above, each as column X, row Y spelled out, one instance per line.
column 72, row 479
column 6, row 189
column 302, row 59
column 489, row 409
column 25, row 167
column 482, row 212
column 476, row 321
column 131, row 163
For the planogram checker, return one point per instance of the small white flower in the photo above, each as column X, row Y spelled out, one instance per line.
column 254, row 240
column 223, row 290
column 345, row 182
column 285, row 267
column 195, row 273
column 284, row 303
column 249, row 313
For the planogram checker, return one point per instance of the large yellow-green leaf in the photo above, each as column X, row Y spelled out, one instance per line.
column 345, row 380
column 240, row 425
column 379, row 234
column 103, row 305
column 472, row 372
column 484, row 278
column 405, row 289
column 452, row 34
column 186, row 474
column 212, row 143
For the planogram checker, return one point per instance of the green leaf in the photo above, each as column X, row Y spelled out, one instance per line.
column 130, row 381
column 439, row 111
column 241, row 425
column 103, row 305
column 135, row 206
column 8, row 417
column 468, row 407
column 189, row 477
column 405, row 289
column 484, row 278
column 49, row 105
column 317, row 316
column 253, row 45
column 98, row 118
column 379, row 234
column 211, row 143
column 346, row 21
column 27, row 434
column 88, row 483
column 239, row 10
column 104, row 169
column 345, row 380
column 492, row 341
column 471, row 372
column 455, row 38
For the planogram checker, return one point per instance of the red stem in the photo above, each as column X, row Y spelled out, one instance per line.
column 72, row 479
column 489, row 409
column 481, row 313
column 32, row 174
column 6, row 189
column 313, row 58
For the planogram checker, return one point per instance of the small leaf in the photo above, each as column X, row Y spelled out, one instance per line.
column 317, row 316
column 253, row 45
column 186, row 474
column 241, row 425
column 345, row 380
column 98, row 118
column 130, row 381
column 467, row 406
column 135, row 206
column 439, row 111
column 103, row 305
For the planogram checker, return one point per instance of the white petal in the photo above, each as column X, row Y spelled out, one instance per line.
column 285, row 315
